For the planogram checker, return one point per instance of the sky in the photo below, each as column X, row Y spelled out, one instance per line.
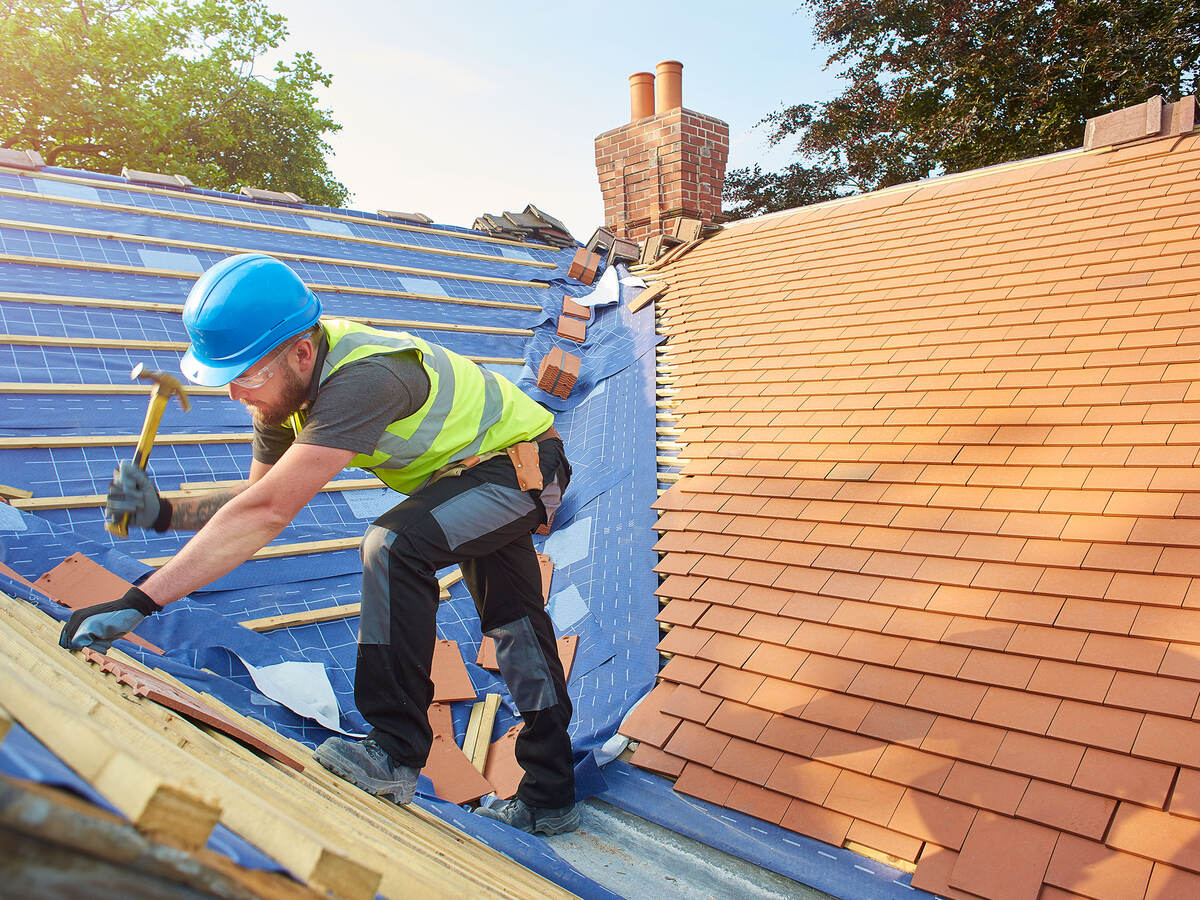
column 459, row 108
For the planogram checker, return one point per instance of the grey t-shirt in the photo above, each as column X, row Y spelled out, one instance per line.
column 351, row 409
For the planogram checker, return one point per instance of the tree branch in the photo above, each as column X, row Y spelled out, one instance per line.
column 97, row 150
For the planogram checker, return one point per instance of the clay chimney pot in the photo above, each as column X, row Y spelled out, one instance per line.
column 669, row 85
column 641, row 95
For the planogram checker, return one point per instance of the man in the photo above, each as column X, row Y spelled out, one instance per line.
column 480, row 461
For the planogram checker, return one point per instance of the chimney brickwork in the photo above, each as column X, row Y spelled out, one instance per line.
column 667, row 164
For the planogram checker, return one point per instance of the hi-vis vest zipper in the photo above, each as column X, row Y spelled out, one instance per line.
column 469, row 411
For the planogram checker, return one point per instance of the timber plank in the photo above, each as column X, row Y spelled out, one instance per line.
column 46, row 442
column 475, row 745
column 333, row 613
column 187, row 489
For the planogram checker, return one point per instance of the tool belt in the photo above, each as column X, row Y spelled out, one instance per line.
column 524, row 458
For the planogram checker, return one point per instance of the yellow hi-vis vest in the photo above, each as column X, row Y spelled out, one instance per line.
column 469, row 411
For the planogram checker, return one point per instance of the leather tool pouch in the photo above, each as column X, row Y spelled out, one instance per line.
column 524, row 458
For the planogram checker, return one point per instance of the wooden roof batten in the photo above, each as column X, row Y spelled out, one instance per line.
column 939, row 596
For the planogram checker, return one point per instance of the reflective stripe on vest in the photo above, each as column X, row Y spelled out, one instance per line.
column 469, row 409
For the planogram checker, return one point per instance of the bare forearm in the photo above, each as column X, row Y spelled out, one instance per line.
column 193, row 513
column 235, row 523
column 231, row 536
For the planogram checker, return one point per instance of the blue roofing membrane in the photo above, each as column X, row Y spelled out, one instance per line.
column 603, row 582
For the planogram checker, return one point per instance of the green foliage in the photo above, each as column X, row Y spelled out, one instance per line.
column 164, row 86
column 953, row 85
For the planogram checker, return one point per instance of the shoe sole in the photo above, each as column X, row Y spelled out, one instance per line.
column 386, row 789
column 557, row 825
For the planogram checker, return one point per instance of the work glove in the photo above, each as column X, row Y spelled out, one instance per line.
column 134, row 493
column 98, row 626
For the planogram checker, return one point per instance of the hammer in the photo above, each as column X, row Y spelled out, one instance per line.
column 164, row 386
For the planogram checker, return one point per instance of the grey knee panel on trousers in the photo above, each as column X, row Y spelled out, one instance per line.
column 523, row 665
column 375, row 620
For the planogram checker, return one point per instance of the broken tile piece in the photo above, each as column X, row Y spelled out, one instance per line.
column 503, row 771
column 451, row 680
column 453, row 776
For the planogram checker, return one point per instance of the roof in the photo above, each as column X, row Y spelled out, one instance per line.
column 93, row 273
column 931, row 571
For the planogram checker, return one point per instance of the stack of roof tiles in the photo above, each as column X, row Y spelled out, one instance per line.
column 931, row 574
column 532, row 224
column 558, row 372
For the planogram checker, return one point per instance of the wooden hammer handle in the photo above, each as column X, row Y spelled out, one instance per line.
column 141, row 453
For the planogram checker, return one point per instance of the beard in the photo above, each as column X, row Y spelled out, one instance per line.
column 292, row 397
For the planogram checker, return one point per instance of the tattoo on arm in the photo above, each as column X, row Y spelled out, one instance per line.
column 191, row 513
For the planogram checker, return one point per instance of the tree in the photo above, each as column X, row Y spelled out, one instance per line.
column 952, row 85
column 164, row 86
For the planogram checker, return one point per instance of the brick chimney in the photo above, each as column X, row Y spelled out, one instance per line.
column 663, row 164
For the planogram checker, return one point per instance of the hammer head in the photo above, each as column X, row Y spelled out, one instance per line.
column 164, row 385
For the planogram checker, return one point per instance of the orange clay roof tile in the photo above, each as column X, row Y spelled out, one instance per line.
column 1092, row 870
column 816, row 822
column 1045, row 758
column 739, row 720
column 779, row 662
column 885, row 840
column 1066, row 809
column 696, row 743
column 897, row 724
column 863, row 797
column 1148, row 693
column 1124, row 777
column 1003, row 858
column 804, row 779
column 747, row 761
column 647, row 756
column 701, row 781
column 733, row 684
column 686, row 670
column 1157, row 835
column 759, row 802
column 849, row 751
column 932, row 818
column 1018, row 710
column 914, row 768
column 1169, row 740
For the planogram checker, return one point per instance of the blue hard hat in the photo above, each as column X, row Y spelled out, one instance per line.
column 238, row 311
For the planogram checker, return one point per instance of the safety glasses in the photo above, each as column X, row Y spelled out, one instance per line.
column 252, row 380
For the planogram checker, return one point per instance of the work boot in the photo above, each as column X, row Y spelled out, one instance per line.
column 533, row 819
column 367, row 765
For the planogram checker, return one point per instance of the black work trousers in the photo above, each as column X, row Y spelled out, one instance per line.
column 483, row 521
